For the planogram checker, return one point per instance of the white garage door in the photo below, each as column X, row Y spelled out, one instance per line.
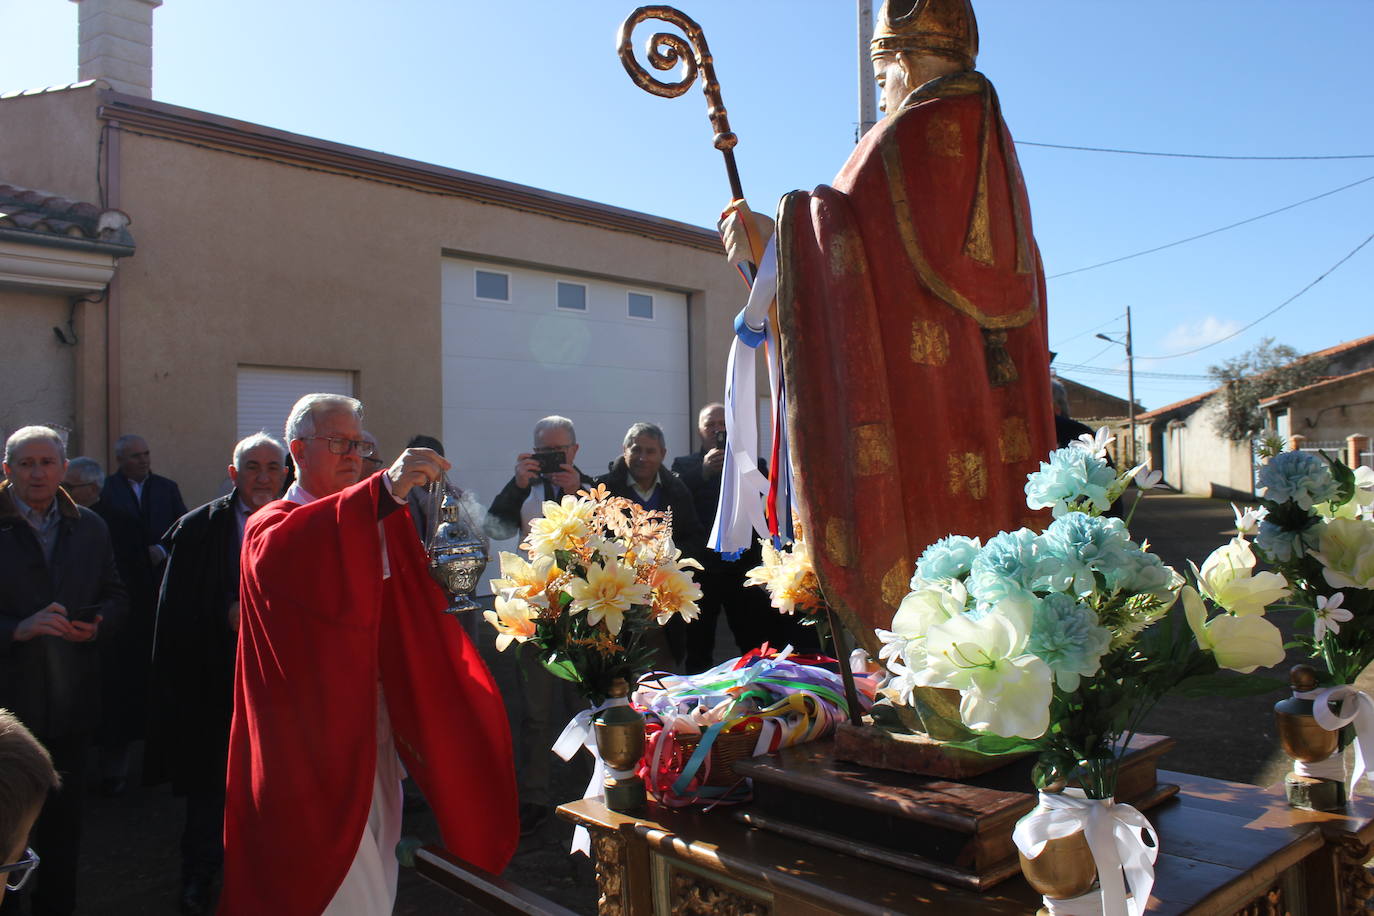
column 520, row 344
column 267, row 393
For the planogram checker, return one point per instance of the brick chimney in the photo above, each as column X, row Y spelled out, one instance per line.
column 116, row 43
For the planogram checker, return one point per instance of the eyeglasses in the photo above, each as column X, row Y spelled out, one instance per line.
column 341, row 446
column 19, row 872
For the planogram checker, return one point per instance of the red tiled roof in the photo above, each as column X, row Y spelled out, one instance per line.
column 1160, row 411
column 1318, row 384
column 48, row 214
column 1341, row 347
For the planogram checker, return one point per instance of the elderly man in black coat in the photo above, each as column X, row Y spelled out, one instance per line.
column 193, row 659
column 59, row 590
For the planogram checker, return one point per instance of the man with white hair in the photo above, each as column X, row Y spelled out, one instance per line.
column 346, row 660
column 194, row 645
column 58, row 591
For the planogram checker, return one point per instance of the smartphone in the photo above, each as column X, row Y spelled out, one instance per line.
column 551, row 462
column 85, row 614
column 720, row 438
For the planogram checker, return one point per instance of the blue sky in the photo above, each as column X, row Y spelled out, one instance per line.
column 541, row 99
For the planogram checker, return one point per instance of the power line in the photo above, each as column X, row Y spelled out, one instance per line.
column 1100, row 370
column 1089, row 330
column 1203, row 235
column 1247, row 327
column 1137, row 152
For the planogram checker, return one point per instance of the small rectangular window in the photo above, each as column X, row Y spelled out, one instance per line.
column 641, row 306
column 572, row 296
column 492, row 285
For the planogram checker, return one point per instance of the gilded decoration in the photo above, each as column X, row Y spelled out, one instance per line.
column 897, row 582
column 1014, row 442
column 929, row 343
column 608, row 851
column 1271, row 903
column 872, row 448
column 695, row 896
column 839, row 542
column 1356, row 881
column 945, row 138
column 968, row 474
column 847, row 255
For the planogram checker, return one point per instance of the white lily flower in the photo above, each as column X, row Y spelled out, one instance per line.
column 1226, row 578
column 1330, row 615
column 1248, row 520
column 1005, row 690
column 1096, row 443
column 1238, row 643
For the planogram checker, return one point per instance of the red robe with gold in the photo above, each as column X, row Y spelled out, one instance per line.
column 320, row 629
column 912, row 317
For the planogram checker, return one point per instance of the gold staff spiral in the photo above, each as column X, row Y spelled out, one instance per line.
column 665, row 51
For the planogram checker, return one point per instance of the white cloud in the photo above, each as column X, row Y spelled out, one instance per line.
column 1192, row 334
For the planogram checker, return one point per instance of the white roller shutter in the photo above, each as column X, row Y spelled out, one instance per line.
column 267, row 393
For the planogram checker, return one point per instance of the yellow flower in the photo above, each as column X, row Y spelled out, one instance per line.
column 606, row 594
column 514, row 620
column 528, row 580
column 675, row 592
column 562, row 525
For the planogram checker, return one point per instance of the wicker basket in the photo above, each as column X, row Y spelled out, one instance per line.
column 727, row 748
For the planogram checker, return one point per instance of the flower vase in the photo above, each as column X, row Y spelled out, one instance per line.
column 1087, row 854
column 619, row 731
column 1317, row 781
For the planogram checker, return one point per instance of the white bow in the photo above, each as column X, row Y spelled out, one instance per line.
column 1115, row 835
column 577, row 734
column 1353, row 706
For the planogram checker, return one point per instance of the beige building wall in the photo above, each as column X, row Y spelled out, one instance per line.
column 1334, row 412
column 36, row 368
column 1199, row 462
column 246, row 258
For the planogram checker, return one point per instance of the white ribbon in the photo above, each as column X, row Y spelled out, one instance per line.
column 577, row 734
column 1115, row 837
column 1352, row 706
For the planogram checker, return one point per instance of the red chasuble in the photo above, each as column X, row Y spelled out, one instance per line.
column 320, row 629
column 911, row 306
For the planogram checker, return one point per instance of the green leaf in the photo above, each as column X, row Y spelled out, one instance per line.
column 1227, row 685
column 995, row 745
column 561, row 668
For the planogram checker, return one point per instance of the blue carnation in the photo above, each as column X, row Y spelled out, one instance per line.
column 1280, row 545
column 1066, row 636
column 948, row 558
column 1076, row 545
column 1006, row 567
column 1299, row 477
column 1073, row 478
column 1141, row 573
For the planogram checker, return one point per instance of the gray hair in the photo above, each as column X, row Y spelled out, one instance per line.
column 1060, row 396
column 249, row 443
column 26, row 434
column 86, row 470
column 300, row 423
column 124, row 441
column 701, row 414
column 644, row 429
column 555, row 422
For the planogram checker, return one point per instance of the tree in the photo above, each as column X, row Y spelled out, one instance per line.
column 1262, row 372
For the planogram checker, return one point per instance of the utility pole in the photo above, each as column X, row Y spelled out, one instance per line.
column 1130, row 382
column 868, row 104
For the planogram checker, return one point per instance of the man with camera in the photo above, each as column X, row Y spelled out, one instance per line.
column 548, row 472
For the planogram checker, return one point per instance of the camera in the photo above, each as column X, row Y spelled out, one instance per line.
column 551, row 461
column 720, row 439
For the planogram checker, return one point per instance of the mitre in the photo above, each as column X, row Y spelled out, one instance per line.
column 945, row 27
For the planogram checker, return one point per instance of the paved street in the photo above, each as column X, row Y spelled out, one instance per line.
column 131, row 842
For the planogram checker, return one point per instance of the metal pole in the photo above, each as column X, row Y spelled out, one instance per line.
column 868, row 105
column 1130, row 383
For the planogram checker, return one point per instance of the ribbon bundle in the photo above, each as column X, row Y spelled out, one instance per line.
column 1352, row 706
column 1116, row 836
column 780, row 699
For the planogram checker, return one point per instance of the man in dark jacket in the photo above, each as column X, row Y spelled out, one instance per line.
column 752, row 619
column 196, row 638
column 59, row 590
column 639, row 475
column 154, row 503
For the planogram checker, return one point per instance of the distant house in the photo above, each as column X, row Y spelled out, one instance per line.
column 1087, row 403
column 1181, row 439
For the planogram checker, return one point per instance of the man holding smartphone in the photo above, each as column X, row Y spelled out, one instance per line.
column 59, row 590
column 547, row 472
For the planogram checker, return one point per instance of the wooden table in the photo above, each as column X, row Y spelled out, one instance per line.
column 1224, row 848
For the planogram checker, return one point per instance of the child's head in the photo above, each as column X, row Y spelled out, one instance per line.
column 26, row 775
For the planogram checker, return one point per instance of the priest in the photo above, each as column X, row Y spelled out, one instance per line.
column 350, row 675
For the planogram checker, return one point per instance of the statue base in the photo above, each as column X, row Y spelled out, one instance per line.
column 1313, row 793
column 883, row 749
column 961, row 827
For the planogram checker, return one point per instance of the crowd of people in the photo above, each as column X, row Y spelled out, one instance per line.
column 241, row 638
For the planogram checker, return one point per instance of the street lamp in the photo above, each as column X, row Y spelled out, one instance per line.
column 1130, row 378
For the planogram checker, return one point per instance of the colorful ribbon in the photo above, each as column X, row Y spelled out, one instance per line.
column 1116, row 837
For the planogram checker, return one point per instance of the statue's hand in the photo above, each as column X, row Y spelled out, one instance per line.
column 744, row 232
